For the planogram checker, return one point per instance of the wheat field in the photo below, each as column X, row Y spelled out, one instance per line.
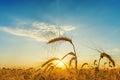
column 58, row 74
column 49, row 70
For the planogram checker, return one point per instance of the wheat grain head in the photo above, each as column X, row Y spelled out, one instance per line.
column 59, row 39
column 108, row 57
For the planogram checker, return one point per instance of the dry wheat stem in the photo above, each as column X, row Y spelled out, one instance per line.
column 95, row 62
column 75, row 57
column 70, row 53
column 99, row 62
column 50, row 60
column 50, row 64
column 72, row 59
column 68, row 40
column 84, row 65
column 50, row 68
column 108, row 57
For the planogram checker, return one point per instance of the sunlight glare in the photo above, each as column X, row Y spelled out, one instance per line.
column 60, row 64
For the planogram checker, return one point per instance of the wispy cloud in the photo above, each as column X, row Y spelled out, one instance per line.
column 116, row 49
column 40, row 31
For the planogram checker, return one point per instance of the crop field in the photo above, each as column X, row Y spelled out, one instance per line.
column 52, row 69
column 58, row 74
column 59, row 39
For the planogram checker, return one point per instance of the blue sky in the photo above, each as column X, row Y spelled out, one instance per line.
column 26, row 25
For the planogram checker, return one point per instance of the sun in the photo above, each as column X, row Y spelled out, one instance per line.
column 60, row 64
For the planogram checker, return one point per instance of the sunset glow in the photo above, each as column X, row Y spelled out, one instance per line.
column 59, row 39
column 27, row 26
column 60, row 64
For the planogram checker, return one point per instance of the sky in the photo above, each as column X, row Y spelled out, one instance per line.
column 27, row 25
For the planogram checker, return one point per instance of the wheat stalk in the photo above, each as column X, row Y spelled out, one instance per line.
column 70, row 53
column 72, row 59
column 50, row 64
column 68, row 40
column 50, row 68
column 108, row 57
column 50, row 60
column 95, row 62
column 84, row 65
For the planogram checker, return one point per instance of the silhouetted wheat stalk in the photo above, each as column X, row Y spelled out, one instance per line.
column 68, row 40
column 95, row 62
column 105, row 64
column 70, row 53
column 47, row 67
column 71, row 60
column 84, row 65
column 50, row 60
column 103, row 54
column 50, row 66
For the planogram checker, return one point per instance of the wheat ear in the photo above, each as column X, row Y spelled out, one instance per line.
column 59, row 39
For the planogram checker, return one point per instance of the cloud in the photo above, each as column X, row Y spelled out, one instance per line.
column 69, row 28
column 40, row 31
column 116, row 49
column 53, row 27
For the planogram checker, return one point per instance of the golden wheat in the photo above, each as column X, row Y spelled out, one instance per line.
column 68, row 40
column 84, row 65
column 47, row 67
column 50, row 68
column 70, row 53
column 60, row 39
column 72, row 59
column 108, row 57
column 103, row 54
column 95, row 62
column 50, row 60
